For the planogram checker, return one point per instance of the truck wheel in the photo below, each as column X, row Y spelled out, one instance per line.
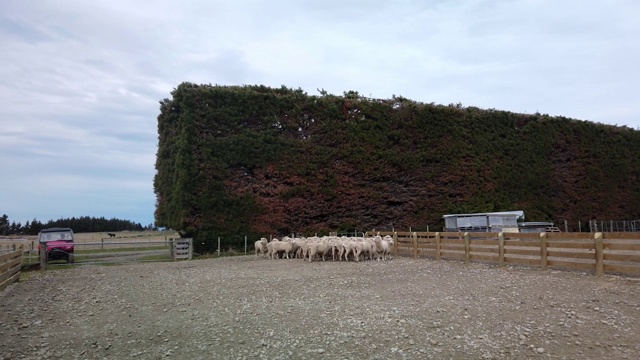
column 70, row 259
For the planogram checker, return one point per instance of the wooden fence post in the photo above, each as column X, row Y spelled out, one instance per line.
column 467, row 247
column 395, row 244
column 501, row 261
column 415, row 245
column 10, row 265
column 43, row 256
column 543, row 250
column 437, row 246
column 599, row 254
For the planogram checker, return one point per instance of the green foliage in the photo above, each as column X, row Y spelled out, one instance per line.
column 79, row 225
column 256, row 160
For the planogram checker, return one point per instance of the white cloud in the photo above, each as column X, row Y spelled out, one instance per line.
column 90, row 74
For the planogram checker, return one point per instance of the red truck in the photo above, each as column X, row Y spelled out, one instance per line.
column 58, row 242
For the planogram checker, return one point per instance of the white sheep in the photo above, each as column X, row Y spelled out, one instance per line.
column 270, row 248
column 261, row 247
column 390, row 240
column 301, row 248
column 313, row 247
column 362, row 247
column 336, row 245
column 383, row 247
column 320, row 248
column 280, row 246
column 347, row 248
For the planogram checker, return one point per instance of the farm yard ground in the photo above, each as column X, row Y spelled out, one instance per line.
column 243, row 307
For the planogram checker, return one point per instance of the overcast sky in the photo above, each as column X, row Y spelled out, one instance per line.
column 80, row 81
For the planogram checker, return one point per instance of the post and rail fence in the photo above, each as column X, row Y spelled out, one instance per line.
column 599, row 253
column 10, row 265
column 182, row 249
column 119, row 252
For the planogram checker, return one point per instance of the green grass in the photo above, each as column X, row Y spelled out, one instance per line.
column 94, row 251
column 61, row 266
column 164, row 257
column 213, row 255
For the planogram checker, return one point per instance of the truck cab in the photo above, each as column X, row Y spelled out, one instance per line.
column 58, row 243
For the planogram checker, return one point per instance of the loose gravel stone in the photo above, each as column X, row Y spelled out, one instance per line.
column 243, row 307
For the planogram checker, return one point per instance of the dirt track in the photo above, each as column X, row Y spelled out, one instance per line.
column 244, row 307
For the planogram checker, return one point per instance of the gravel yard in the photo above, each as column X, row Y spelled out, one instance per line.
column 243, row 307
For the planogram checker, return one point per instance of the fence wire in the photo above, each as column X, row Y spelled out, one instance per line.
column 106, row 253
column 614, row 226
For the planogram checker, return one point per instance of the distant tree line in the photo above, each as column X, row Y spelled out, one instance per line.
column 79, row 225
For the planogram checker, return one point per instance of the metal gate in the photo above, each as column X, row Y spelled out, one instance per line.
column 121, row 252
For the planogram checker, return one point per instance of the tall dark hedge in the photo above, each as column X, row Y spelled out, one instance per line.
column 256, row 160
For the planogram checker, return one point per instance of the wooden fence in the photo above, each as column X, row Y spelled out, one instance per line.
column 182, row 249
column 10, row 264
column 599, row 253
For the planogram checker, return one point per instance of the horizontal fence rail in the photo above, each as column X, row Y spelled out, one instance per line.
column 599, row 253
column 10, row 264
column 124, row 252
column 182, row 249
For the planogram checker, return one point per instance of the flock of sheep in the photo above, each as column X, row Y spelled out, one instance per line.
column 339, row 248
